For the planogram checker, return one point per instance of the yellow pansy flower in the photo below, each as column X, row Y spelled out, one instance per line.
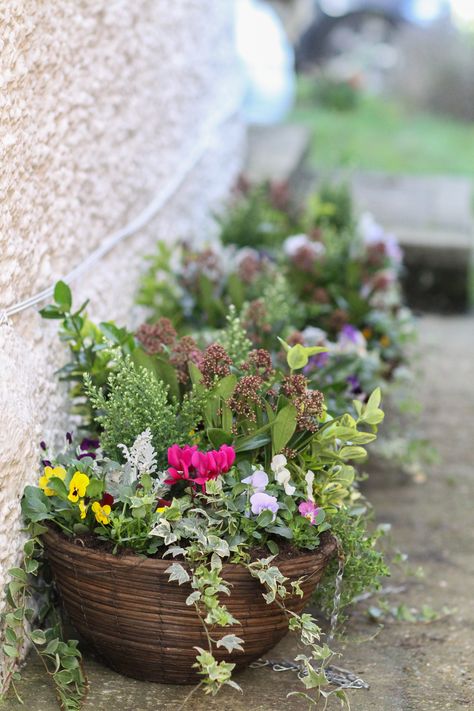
column 102, row 513
column 49, row 473
column 82, row 508
column 367, row 333
column 385, row 341
column 77, row 487
column 194, row 436
column 160, row 509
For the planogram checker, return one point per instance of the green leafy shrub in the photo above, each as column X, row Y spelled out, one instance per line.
column 135, row 401
column 94, row 349
column 331, row 207
column 364, row 565
column 255, row 220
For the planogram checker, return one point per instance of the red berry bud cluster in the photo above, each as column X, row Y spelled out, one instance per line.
column 309, row 406
column 154, row 336
column 184, row 351
column 259, row 362
column 294, row 385
column 246, row 397
column 215, row 364
column 255, row 320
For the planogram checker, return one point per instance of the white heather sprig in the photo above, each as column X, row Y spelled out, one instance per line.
column 141, row 457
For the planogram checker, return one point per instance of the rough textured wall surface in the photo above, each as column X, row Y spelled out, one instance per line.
column 100, row 101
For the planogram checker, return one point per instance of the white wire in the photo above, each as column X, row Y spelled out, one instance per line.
column 158, row 202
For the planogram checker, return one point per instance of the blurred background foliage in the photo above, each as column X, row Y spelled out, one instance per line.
column 385, row 85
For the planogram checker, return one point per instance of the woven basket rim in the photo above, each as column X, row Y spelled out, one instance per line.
column 326, row 549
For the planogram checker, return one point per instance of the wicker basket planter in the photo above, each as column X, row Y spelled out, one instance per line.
column 138, row 622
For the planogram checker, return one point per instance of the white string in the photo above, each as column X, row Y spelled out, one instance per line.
column 159, row 201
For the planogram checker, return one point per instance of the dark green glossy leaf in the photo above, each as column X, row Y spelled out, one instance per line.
column 283, row 428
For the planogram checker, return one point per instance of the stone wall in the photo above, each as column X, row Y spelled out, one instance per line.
column 101, row 101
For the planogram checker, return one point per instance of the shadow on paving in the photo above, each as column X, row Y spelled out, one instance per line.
column 410, row 666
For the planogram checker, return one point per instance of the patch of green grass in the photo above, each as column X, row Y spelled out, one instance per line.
column 379, row 135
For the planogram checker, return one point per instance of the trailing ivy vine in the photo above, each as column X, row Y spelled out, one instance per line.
column 31, row 619
column 208, row 586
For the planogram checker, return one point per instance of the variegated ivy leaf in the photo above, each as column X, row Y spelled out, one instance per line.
column 231, row 642
column 312, row 679
column 218, row 545
column 174, row 551
column 139, row 501
column 193, row 597
column 216, row 563
column 193, row 528
column 234, row 685
column 272, row 578
column 178, row 573
column 163, row 530
column 323, row 652
column 296, row 588
column 310, row 632
column 269, row 597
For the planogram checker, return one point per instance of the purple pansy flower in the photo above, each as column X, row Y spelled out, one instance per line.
column 350, row 338
column 43, row 446
column 258, row 480
column 316, row 361
column 350, row 333
column 46, row 463
column 92, row 455
column 263, row 502
column 87, row 444
column 309, row 510
column 69, row 437
column 354, row 383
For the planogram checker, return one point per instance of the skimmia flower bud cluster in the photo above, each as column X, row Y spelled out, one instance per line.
column 215, row 364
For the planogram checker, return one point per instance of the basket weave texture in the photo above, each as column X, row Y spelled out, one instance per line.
column 139, row 624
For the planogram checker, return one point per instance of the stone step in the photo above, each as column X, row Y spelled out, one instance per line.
column 276, row 153
column 440, row 203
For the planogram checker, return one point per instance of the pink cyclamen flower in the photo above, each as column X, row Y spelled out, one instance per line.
column 180, row 459
column 190, row 464
column 309, row 510
column 263, row 502
column 226, row 457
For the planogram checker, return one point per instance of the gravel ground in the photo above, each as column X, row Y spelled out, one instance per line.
column 421, row 666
